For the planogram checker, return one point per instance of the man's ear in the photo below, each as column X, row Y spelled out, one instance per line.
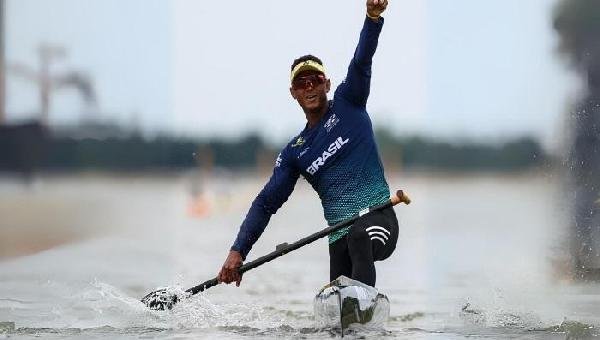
column 327, row 86
column 293, row 94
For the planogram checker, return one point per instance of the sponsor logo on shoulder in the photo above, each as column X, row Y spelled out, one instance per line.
column 331, row 122
column 331, row 150
column 278, row 161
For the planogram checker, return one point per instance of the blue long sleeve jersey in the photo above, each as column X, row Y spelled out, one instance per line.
column 338, row 156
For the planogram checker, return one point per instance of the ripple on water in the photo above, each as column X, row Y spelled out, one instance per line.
column 97, row 309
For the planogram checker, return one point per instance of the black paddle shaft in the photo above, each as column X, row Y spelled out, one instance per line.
column 285, row 248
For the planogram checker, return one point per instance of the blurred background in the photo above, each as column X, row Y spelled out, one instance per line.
column 135, row 134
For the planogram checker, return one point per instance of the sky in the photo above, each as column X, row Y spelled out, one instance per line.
column 126, row 52
column 463, row 69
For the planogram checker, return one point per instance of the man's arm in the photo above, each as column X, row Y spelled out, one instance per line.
column 269, row 200
column 356, row 87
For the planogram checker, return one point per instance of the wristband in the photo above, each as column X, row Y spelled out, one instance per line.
column 373, row 17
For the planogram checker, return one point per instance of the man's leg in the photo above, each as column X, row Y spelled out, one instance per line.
column 372, row 238
column 339, row 260
column 361, row 253
column 383, row 250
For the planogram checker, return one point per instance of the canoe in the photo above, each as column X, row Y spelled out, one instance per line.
column 345, row 303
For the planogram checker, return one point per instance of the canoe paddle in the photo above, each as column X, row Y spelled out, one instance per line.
column 162, row 299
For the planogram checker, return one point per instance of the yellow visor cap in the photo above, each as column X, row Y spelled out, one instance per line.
column 308, row 65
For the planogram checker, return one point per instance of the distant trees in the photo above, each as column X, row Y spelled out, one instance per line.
column 161, row 153
column 428, row 153
column 132, row 152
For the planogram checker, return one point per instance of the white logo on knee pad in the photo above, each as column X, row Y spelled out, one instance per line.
column 378, row 233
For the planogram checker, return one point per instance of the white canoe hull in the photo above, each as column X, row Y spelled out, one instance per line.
column 345, row 303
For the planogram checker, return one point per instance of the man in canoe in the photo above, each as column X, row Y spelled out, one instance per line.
column 336, row 153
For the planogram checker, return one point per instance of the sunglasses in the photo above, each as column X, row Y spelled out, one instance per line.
column 302, row 83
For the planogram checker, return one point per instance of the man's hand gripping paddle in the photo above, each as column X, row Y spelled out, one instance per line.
column 163, row 299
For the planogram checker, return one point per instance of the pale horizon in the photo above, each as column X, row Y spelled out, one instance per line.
column 463, row 71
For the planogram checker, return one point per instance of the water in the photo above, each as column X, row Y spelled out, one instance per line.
column 479, row 256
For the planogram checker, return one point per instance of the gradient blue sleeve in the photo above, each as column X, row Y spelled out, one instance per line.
column 269, row 200
column 355, row 88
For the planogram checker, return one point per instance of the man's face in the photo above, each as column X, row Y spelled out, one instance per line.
column 310, row 89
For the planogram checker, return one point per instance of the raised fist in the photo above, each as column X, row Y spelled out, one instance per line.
column 376, row 7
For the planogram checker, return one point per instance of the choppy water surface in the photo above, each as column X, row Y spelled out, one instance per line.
column 478, row 257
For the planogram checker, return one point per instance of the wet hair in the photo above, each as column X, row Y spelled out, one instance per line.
column 305, row 58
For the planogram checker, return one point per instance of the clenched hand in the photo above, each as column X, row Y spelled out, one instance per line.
column 230, row 271
column 376, row 7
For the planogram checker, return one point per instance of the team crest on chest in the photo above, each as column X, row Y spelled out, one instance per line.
column 300, row 141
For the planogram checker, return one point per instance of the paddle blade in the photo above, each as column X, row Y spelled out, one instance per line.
column 160, row 299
